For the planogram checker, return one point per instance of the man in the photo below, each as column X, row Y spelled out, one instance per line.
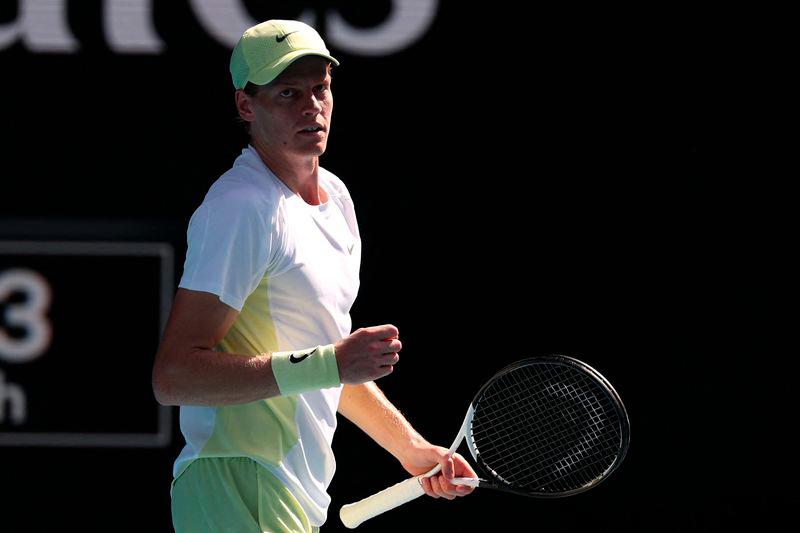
column 257, row 350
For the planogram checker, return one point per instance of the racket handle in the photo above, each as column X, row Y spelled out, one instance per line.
column 353, row 514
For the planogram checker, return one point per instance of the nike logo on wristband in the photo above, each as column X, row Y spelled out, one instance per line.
column 293, row 359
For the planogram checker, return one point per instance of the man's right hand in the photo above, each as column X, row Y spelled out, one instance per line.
column 368, row 354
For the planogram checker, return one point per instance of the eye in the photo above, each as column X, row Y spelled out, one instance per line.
column 287, row 93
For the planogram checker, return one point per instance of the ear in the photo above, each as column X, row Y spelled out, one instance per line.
column 244, row 106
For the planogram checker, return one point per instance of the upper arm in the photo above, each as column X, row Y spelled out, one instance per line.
column 230, row 241
column 198, row 321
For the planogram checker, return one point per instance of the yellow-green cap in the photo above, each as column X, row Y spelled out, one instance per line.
column 266, row 49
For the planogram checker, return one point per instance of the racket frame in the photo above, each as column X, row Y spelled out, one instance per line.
column 485, row 480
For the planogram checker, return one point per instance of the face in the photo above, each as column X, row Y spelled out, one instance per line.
column 292, row 114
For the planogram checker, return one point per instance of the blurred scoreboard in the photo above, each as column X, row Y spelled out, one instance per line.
column 80, row 322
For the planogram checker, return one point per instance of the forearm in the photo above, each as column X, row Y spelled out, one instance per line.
column 367, row 407
column 209, row 378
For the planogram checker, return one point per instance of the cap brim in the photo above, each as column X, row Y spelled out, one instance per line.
column 270, row 72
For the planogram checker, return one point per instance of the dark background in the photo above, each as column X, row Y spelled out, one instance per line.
column 526, row 181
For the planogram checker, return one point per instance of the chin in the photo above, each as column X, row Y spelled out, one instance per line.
column 313, row 151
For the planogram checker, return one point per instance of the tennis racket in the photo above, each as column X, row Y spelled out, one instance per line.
column 546, row 427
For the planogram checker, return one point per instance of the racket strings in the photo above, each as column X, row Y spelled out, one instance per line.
column 538, row 464
column 559, row 461
column 546, row 428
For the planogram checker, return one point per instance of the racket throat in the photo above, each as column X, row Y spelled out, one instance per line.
column 465, row 426
column 468, row 481
column 462, row 433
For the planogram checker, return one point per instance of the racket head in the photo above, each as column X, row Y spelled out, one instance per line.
column 548, row 426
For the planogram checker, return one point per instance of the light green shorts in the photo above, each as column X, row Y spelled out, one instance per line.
column 234, row 494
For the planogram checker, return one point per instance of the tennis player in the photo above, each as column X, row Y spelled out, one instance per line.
column 258, row 349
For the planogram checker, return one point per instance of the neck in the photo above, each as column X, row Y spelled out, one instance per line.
column 299, row 173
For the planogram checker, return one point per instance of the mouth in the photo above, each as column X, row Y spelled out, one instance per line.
column 312, row 130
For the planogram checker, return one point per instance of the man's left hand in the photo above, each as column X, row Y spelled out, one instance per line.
column 425, row 457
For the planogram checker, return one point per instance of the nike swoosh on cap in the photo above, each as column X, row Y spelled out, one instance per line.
column 280, row 38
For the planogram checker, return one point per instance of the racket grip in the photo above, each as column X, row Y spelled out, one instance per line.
column 353, row 514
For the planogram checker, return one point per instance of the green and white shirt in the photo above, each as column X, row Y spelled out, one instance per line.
column 292, row 271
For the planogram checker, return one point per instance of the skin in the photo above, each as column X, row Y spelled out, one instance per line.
column 187, row 370
column 301, row 96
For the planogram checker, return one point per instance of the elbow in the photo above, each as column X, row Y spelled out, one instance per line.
column 161, row 394
column 163, row 389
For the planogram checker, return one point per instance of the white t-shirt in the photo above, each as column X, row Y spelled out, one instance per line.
column 291, row 270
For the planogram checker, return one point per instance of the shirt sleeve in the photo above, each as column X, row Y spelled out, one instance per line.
column 230, row 239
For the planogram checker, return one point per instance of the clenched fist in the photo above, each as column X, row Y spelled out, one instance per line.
column 368, row 354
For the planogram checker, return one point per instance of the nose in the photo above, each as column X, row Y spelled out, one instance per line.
column 312, row 106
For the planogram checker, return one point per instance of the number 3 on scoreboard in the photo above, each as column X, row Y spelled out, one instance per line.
column 29, row 315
